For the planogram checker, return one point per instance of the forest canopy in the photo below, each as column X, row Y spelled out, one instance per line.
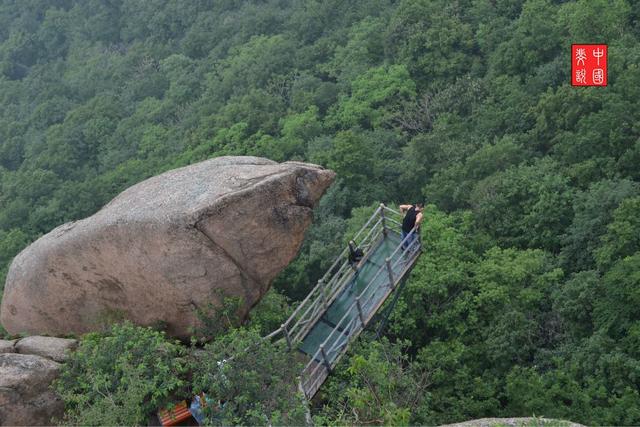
column 525, row 298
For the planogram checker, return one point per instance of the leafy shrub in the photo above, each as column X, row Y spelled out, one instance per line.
column 119, row 377
column 377, row 385
column 248, row 381
column 272, row 310
column 215, row 320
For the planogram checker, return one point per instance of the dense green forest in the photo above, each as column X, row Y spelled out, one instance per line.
column 526, row 298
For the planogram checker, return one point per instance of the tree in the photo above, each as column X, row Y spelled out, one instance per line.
column 248, row 381
column 297, row 131
column 373, row 98
column 431, row 39
column 364, row 49
column 377, row 385
column 533, row 40
column 586, row 20
column 618, row 295
column 622, row 238
column 593, row 211
column 525, row 206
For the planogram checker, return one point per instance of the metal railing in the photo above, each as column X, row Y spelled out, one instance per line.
column 365, row 305
column 330, row 285
column 359, row 314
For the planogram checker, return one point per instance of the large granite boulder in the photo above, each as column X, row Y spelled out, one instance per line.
column 25, row 394
column 165, row 246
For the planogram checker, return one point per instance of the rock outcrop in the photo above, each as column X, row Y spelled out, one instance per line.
column 7, row 346
column 27, row 368
column 25, row 395
column 515, row 422
column 177, row 241
column 56, row 349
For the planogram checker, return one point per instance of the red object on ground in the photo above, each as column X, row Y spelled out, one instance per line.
column 175, row 415
column 589, row 64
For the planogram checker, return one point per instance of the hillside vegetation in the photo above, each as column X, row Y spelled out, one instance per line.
column 526, row 298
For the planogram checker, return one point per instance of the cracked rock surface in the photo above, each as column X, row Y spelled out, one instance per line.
column 165, row 246
column 25, row 396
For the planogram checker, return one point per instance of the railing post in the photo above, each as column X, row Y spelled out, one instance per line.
column 360, row 313
column 389, row 272
column 384, row 220
column 325, row 359
column 323, row 293
column 286, row 335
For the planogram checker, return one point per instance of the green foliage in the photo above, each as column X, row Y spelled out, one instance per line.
column 120, row 377
column 214, row 319
column 248, row 381
column 452, row 186
column 443, row 272
column 619, row 292
column 475, row 313
column 363, row 50
column 271, row 312
column 622, row 238
column 593, row 211
column 432, row 39
column 527, row 206
column 377, row 386
column 587, row 20
column 297, row 131
column 534, row 39
column 374, row 95
column 574, row 301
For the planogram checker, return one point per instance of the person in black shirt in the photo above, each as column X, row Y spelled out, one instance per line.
column 355, row 255
column 411, row 222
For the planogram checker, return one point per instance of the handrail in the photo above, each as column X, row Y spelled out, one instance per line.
column 356, row 317
column 332, row 281
column 355, row 238
column 373, row 279
column 351, row 314
column 335, row 263
column 312, row 375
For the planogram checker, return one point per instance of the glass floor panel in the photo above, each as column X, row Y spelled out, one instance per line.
column 357, row 282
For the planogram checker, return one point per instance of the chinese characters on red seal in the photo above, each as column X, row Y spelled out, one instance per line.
column 589, row 64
